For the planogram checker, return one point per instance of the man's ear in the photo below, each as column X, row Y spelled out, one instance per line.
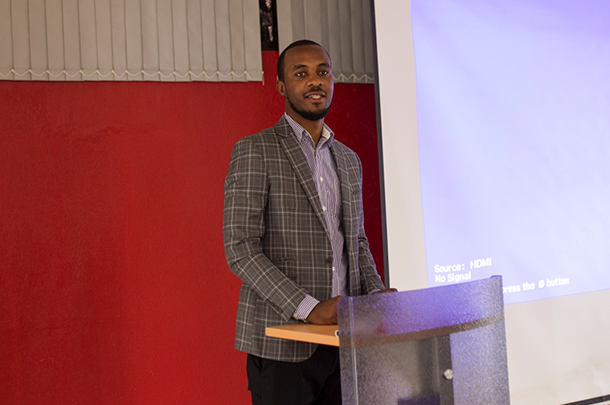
column 281, row 87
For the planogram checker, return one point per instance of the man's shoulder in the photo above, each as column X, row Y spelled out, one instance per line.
column 269, row 135
column 342, row 148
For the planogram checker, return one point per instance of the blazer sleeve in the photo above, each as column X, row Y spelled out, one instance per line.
column 369, row 278
column 246, row 195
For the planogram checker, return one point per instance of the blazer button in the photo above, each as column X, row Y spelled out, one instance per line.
column 329, row 260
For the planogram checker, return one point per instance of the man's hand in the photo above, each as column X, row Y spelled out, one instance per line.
column 325, row 313
column 387, row 290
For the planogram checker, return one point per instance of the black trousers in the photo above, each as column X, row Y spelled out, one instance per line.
column 315, row 381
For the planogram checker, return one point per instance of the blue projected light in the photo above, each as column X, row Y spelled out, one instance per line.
column 513, row 111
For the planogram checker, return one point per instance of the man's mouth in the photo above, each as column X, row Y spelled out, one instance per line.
column 315, row 96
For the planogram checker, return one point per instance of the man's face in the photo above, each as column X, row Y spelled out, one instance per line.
column 308, row 82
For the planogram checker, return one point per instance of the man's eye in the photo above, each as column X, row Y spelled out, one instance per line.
column 300, row 74
column 324, row 72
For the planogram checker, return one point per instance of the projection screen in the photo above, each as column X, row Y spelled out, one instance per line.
column 495, row 149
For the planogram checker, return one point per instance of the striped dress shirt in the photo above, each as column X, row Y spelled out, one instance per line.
column 324, row 172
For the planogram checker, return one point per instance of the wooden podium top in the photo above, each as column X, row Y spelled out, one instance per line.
column 306, row 332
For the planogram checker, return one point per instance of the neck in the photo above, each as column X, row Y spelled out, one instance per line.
column 314, row 128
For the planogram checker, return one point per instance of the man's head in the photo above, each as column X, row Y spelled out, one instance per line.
column 305, row 80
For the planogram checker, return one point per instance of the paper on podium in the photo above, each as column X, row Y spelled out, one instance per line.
column 306, row 332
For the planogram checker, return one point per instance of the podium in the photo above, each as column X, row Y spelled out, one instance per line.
column 437, row 346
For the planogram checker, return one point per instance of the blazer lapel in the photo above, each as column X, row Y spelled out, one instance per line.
column 349, row 220
column 294, row 152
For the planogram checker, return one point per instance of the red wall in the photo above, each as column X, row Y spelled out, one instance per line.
column 113, row 284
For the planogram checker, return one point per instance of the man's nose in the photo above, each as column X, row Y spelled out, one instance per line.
column 315, row 81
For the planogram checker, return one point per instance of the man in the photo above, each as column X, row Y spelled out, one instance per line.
column 293, row 232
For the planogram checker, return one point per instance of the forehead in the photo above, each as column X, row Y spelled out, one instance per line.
column 307, row 55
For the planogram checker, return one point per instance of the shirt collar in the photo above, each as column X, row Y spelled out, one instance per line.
column 299, row 131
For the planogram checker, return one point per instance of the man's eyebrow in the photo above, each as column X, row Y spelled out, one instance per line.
column 297, row 67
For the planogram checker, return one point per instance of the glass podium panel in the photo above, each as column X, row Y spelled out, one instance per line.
column 437, row 346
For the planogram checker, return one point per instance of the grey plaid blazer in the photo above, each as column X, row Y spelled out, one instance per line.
column 276, row 240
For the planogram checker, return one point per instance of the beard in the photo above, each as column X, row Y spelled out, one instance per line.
column 311, row 116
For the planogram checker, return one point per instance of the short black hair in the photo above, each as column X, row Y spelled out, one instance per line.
column 280, row 60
